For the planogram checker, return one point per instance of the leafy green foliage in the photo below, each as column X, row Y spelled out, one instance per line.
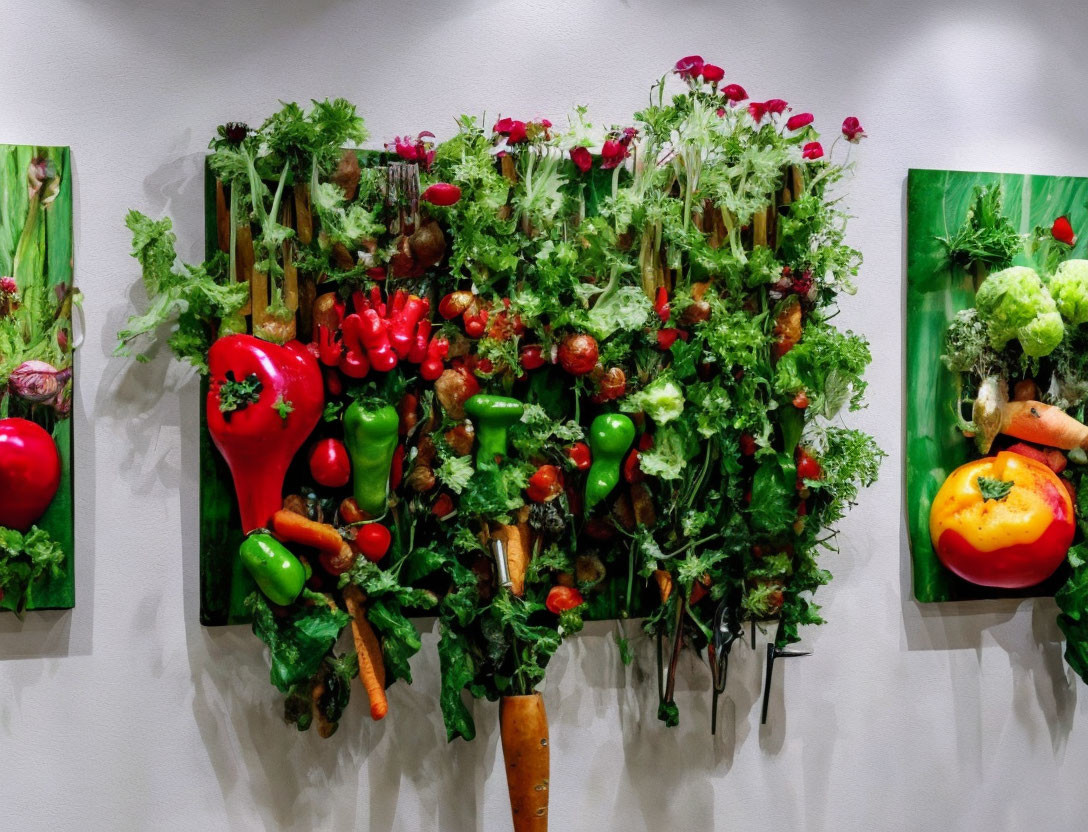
column 298, row 642
column 26, row 559
column 987, row 237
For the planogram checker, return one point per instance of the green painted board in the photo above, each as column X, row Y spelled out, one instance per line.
column 224, row 584
column 937, row 203
column 45, row 225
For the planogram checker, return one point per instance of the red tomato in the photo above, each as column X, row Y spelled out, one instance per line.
column 442, row 506
column 330, row 464
column 29, row 472
column 807, row 466
column 579, row 454
column 563, row 598
column 578, row 354
column 373, row 541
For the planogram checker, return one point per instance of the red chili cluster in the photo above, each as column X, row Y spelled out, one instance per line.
column 379, row 335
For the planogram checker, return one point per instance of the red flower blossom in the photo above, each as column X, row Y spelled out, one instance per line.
column 712, row 73
column 1062, row 231
column 513, row 129
column 7, row 286
column 582, row 158
column 627, row 136
column 852, row 130
column 734, row 93
column 757, row 110
column 812, row 150
column 776, row 106
column 613, row 152
column 418, row 150
column 689, row 68
column 798, row 121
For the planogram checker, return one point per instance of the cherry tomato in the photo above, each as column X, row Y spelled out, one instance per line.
column 545, row 485
column 579, row 454
column 373, row 541
column 330, row 464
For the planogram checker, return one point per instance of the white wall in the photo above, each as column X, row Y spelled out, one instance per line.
column 126, row 715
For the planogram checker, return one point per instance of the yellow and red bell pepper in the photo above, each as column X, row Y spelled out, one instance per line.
column 1004, row 521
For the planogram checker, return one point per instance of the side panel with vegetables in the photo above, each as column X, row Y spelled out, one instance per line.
column 1001, row 236
column 36, row 297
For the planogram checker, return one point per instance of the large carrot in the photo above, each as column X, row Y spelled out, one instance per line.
column 523, row 726
column 294, row 528
column 1044, row 424
column 369, row 650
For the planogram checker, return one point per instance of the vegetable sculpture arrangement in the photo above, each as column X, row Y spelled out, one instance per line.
column 1012, row 517
column 35, row 366
column 519, row 383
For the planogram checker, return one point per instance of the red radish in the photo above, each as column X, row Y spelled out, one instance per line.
column 563, row 598
column 330, row 464
column 532, row 356
column 1062, row 230
column 247, row 378
column 29, row 472
column 441, row 193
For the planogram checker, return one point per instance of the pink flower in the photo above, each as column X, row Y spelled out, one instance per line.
column 734, row 93
column 1062, row 231
column 513, row 129
column 7, row 286
column 721, row 111
column 418, row 150
column 582, row 158
column 757, row 110
column 852, row 130
column 628, row 135
column 798, row 121
column 612, row 153
column 776, row 106
column 689, row 68
column 712, row 73
column 812, row 150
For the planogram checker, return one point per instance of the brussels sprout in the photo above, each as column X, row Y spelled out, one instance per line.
column 1069, row 288
column 1014, row 303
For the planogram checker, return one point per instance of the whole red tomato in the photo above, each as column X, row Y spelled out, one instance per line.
column 29, row 472
column 578, row 354
column 330, row 464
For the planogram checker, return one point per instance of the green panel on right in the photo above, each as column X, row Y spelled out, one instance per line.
column 937, row 203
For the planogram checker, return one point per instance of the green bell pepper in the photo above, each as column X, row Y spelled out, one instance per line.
column 610, row 437
column 370, row 434
column 278, row 573
column 491, row 416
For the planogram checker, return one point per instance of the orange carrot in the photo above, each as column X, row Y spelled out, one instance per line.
column 369, row 650
column 523, row 725
column 1043, row 424
column 517, row 554
column 294, row 528
column 664, row 584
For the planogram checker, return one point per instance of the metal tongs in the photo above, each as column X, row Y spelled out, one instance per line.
column 773, row 653
column 727, row 629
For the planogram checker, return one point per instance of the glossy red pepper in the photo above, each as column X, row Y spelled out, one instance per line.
column 661, row 304
column 545, row 485
column 579, row 454
column 330, row 465
column 371, row 333
column 441, row 193
column 432, row 366
column 30, row 470
column 250, row 382
column 418, row 353
column 667, row 337
column 329, row 347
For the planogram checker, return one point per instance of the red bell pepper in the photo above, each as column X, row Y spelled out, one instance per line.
column 250, row 381
column 431, row 367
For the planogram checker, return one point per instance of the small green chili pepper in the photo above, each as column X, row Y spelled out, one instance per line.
column 610, row 436
column 491, row 416
column 278, row 573
column 371, row 438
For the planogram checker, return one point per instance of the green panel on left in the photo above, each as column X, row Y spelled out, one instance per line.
column 48, row 234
